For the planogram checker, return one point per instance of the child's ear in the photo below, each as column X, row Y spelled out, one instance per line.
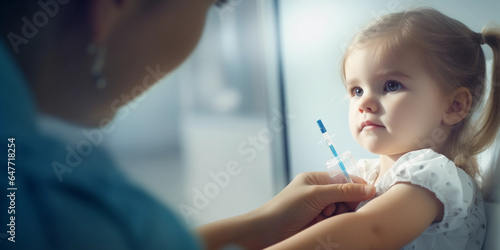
column 459, row 106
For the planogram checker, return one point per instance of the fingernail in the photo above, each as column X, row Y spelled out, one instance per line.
column 369, row 189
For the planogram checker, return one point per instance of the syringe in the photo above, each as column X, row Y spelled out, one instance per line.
column 329, row 142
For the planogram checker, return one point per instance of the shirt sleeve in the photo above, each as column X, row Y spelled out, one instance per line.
column 439, row 175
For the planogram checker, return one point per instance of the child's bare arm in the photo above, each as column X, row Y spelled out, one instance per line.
column 387, row 222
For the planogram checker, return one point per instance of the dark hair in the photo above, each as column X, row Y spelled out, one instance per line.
column 25, row 23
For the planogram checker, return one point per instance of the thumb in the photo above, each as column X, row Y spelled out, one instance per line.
column 347, row 192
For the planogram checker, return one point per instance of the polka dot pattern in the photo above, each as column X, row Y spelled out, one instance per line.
column 464, row 223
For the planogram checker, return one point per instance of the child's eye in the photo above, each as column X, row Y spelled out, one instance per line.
column 391, row 86
column 357, row 91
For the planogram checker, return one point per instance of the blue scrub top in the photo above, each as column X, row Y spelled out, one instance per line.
column 93, row 207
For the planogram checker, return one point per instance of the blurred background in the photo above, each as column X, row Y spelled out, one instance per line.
column 235, row 122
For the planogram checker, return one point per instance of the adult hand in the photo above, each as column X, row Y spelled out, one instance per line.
column 309, row 198
column 344, row 207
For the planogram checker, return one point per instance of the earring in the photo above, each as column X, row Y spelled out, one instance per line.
column 97, row 66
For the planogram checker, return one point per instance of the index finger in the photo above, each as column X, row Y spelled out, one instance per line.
column 357, row 179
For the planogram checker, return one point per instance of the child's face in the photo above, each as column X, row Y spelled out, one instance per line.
column 395, row 105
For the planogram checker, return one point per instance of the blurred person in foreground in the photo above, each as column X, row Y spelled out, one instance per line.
column 73, row 60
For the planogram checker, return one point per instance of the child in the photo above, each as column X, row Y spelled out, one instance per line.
column 415, row 78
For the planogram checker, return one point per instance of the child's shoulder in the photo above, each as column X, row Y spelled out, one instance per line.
column 428, row 169
column 433, row 171
column 425, row 168
column 463, row 216
column 426, row 163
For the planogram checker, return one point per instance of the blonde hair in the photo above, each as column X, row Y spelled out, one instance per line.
column 452, row 53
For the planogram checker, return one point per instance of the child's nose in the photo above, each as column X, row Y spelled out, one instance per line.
column 368, row 104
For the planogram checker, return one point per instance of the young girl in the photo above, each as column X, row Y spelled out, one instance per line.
column 415, row 80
